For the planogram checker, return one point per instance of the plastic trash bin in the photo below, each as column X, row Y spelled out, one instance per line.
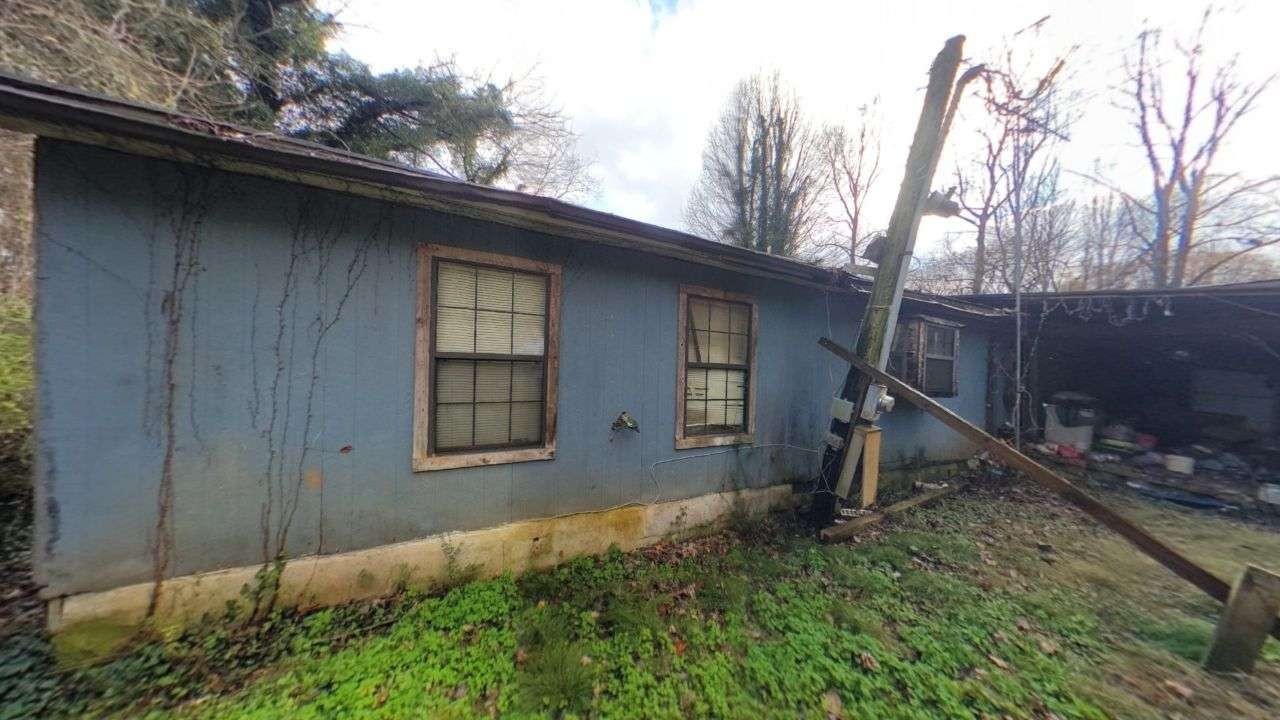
column 1069, row 418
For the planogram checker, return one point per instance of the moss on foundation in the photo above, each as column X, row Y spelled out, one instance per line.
column 92, row 640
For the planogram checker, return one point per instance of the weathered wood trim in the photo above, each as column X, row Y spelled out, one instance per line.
column 702, row 441
column 683, row 442
column 424, row 352
column 479, row 459
column 918, row 324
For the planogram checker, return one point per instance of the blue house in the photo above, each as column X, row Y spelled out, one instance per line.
column 261, row 360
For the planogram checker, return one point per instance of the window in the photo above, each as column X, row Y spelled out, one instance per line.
column 924, row 355
column 485, row 375
column 715, row 369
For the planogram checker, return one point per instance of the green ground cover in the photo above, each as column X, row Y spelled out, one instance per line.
column 993, row 604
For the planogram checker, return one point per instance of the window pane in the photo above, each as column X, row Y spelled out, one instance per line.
column 493, row 382
column 493, row 332
column 695, row 414
column 453, row 426
column 528, row 332
column 454, row 381
column 740, row 318
column 715, row 412
column 716, row 382
column 456, row 285
column 526, row 381
column 737, row 384
column 719, row 317
column 482, row 403
column 455, row 330
column 699, row 313
column 698, row 346
column 937, row 376
column 940, row 340
column 719, row 352
column 734, row 413
column 526, row 422
column 530, row 294
column 493, row 421
column 738, row 345
column 493, row 289
column 696, row 384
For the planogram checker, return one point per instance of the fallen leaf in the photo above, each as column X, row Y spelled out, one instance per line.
column 868, row 662
column 680, row 646
column 522, row 655
column 1048, row 647
column 1023, row 624
column 585, row 660
column 832, row 705
column 998, row 662
column 1179, row 689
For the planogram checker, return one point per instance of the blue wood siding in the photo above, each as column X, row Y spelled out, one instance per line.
column 279, row 371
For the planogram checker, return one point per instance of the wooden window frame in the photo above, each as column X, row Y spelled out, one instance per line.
column 424, row 459
column 683, row 441
column 917, row 326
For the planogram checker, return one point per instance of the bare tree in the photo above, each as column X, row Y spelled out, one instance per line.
column 1021, row 121
column 979, row 194
column 1105, row 245
column 762, row 175
column 946, row 271
column 1181, row 133
column 852, row 159
column 535, row 152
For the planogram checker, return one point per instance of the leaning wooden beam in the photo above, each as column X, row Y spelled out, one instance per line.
column 1184, row 568
column 836, row 533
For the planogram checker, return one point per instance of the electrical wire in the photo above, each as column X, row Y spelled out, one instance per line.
column 653, row 476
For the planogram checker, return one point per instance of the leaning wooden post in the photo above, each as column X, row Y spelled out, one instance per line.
column 881, row 313
column 1246, row 621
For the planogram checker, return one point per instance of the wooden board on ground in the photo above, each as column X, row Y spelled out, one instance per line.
column 835, row 533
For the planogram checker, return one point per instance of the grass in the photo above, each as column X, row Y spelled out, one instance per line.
column 989, row 605
column 16, row 378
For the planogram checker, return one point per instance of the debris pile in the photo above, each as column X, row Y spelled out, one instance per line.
column 1230, row 468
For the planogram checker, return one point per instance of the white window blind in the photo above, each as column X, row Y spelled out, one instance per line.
column 490, row 344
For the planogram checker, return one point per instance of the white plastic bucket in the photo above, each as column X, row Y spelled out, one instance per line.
column 1179, row 464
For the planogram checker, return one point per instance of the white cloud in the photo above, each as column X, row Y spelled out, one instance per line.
column 644, row 86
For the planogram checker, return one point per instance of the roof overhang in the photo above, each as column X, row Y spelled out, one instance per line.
column 72, row 115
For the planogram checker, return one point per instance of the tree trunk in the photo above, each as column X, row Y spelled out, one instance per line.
column 980, row 257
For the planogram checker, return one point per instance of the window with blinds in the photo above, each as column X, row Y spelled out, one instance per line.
column 717, row 366
column 489, row 357
column 924, row 355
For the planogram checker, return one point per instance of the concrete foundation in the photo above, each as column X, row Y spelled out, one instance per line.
column 427, row 563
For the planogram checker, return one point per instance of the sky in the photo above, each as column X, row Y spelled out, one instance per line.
column 643, row 82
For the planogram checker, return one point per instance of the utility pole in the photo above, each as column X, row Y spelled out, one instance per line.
column 875, row 336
